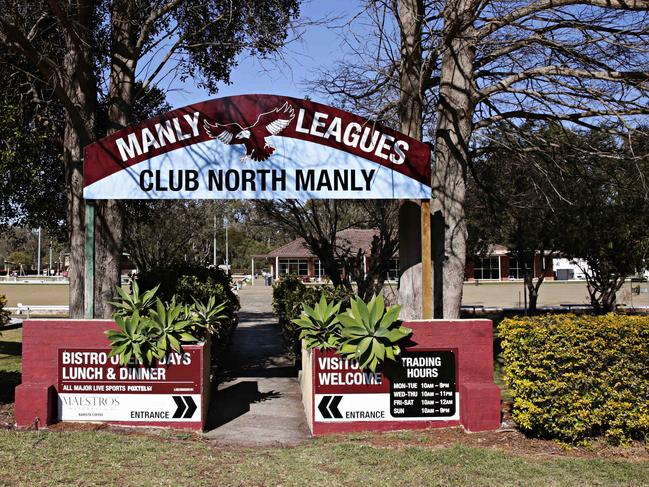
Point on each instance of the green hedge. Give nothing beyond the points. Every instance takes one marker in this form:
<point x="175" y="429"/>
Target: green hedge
<point x="289" y="294"/>
<point x="191" y="280"/>
<point x="578" y="377"/>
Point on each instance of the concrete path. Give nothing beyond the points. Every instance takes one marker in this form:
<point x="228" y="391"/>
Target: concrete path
<point x="258" y="400"/>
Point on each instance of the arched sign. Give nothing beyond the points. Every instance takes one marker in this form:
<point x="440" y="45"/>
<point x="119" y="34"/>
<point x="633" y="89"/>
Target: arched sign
<point x="257" y="147"/>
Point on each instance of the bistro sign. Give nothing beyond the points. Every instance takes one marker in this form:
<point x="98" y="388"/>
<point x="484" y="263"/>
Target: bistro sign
<point x="257" y="147"/>
<point x="94" y="387"/>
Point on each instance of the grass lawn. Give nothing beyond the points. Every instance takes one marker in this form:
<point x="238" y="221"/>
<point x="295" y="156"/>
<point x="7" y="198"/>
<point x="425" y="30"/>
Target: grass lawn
<point x="10" y="363"/>
<point x="92" y="455"/>
<point x="106" y="458"/>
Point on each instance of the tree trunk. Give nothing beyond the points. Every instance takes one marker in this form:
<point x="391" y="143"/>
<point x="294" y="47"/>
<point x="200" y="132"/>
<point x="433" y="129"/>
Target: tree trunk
<point x="73" y="163"/>
<point x="79" y="131"/>
<point x="121" y="92"/>
<point x="533" y="293"/>
<point x="411" y="120"/>
<point x="603" y="295"/>
<point x="454" y="127"/>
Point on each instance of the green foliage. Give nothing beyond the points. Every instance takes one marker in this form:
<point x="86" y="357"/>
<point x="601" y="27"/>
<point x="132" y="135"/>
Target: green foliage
<point x="133" y="302"/>
<point x="290" y="294"/>
<point x="319" y="325"/>
<point x="18" y="258"/>
<point x="578" y="377"/>
<point x="4" y="314"/>
<point x="32" y="182"/>
<point x="189" y="282"/>
<point x="370" y="332"/>
<point x="149" y="332"/>
<point x="134" y="339"/>
<point x="171" y="325"/>
<point x="210" y="313"/>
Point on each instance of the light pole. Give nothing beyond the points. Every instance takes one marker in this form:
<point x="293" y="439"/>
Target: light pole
<point x="214" y="243"/>
<point x="227" y="246"/>
<point x="49" y="267"/>
<point x="38" y="257"/>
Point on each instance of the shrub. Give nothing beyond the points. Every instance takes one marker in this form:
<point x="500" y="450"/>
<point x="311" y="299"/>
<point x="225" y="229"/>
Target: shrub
<point x="578" y="377"/>
<point x="319" y="325"/>
<point x="4" y="314"/>
<point x="148" y="332"/>
<point x="290" y="294"/>
<point x="367" y="332"/>
<point x="190" y="281"/>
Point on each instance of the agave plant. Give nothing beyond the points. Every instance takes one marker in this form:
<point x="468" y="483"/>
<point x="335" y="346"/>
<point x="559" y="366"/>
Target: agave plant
<point x="129" y="303"/>
<point x="132" y="339"/>
<point x="319" y="326"/>
<point x="208" y="315"/>
<point x="171" y="327"/>
<point x="370" y="332"/>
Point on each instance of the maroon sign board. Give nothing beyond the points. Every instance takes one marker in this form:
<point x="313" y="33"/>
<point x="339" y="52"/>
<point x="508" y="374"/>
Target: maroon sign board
<point x="420" y="387"/>
<point x="444" y="377"/>
<point x="257" y="147"/>
<point x="92" y="386"/>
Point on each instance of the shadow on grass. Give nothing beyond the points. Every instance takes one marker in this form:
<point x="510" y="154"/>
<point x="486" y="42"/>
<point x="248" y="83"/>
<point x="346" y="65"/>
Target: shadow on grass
<point x="11" y="348"/>
<point x="8" y="383"/>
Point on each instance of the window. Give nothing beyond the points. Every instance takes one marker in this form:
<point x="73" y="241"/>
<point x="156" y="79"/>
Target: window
<point x="518" y="267"/>
<point x="299" y="267"/>
<point x="393" y="273"/>
<point x="487" y="268"/>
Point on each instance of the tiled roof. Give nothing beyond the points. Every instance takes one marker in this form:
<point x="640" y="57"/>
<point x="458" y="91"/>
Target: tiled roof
<point x="296" y="248"/>
<point x="352" y="239"/>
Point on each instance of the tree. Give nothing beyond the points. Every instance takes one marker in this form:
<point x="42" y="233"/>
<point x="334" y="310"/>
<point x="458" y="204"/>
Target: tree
<point x="31" y="182"/>
<point x="318" y="223"/>
<point x="171" y="232"/>
<point x="369" y="272"/>
<point x="19" y="260"/>
<point x="607" y="221"/>
<point x="583" y="193"/>
<point x="469" y="64"/>
<point x="89" y="52"/>
<point x="517" y="196"/>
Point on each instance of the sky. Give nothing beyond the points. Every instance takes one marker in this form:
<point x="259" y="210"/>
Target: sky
<point x="319" y="48"/>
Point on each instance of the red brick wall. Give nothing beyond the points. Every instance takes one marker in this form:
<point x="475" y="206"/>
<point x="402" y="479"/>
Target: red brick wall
<point x="36" y="399"/>
<point x="472" y="342"/>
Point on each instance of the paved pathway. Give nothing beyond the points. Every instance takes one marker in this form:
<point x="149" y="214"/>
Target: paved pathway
<point x="258" y="401"/>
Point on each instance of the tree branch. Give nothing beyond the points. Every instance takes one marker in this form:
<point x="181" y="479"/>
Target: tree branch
<point x="544" y="71"/>
<point x="493" y="25"/>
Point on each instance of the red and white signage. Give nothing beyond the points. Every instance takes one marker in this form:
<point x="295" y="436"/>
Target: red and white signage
<point x="93" y="387"/>
<point x="421" y="387"/>
<point x="257" y="147"/>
